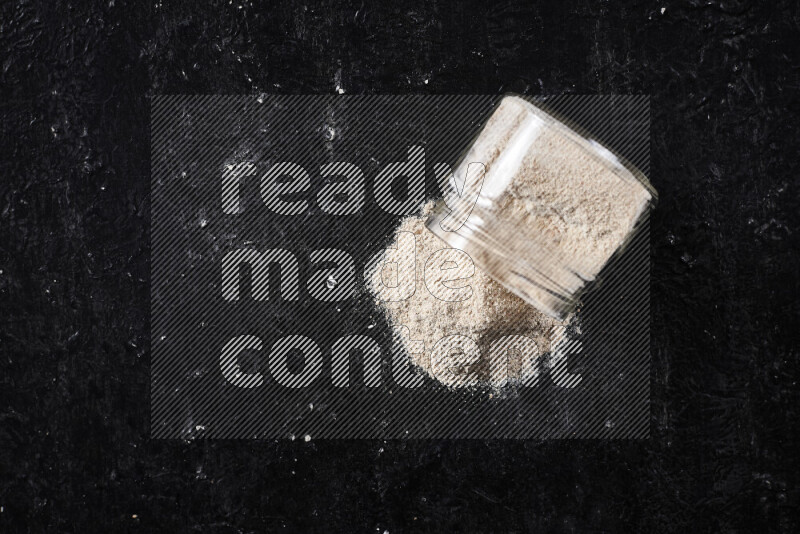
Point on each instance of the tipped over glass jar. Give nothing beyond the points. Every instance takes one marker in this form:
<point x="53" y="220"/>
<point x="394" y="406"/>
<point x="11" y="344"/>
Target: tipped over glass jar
<point x="538" y="207"/>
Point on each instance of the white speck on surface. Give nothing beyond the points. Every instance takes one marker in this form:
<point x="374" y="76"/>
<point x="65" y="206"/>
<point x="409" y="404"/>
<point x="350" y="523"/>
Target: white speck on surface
<point x="331" y="282"/>
<point x="307" y="438"/>
<point x="663" y="9"/>
<point x="310" y="406"/>
<point x="337" y="82"/>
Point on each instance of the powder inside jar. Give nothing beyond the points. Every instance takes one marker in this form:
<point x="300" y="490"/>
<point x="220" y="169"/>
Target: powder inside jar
<point x="552" y="207"/>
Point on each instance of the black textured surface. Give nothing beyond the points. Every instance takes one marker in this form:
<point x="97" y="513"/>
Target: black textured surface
<point x="74" y="451"/>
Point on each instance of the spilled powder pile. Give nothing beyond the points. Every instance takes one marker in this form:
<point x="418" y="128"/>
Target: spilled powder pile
<point x="490" y="311"/>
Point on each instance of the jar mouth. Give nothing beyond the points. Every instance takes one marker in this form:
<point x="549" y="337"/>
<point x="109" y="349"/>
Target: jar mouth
<point x="528" y="269"/>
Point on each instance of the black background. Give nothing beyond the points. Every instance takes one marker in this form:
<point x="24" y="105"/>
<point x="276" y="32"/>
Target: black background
<point x="74" y="216"/>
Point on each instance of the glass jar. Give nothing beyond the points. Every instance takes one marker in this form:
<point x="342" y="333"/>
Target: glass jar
<point x="538" y="207"/>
